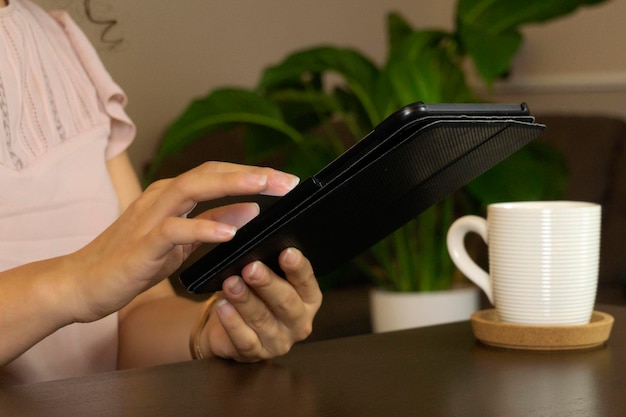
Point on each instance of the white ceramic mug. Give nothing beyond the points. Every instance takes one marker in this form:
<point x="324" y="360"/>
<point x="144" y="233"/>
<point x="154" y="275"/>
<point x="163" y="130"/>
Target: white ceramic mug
<point x="543" y="259"/>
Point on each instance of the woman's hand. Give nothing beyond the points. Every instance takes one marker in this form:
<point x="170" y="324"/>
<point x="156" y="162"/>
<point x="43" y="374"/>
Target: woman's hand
<point x="260" y="315"/>
<point x="152" y="238"/>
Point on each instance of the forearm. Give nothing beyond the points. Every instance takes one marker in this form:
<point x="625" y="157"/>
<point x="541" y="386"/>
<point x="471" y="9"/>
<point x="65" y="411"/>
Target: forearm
<point x="36" y="300"/>
<point x="157" y="332"/>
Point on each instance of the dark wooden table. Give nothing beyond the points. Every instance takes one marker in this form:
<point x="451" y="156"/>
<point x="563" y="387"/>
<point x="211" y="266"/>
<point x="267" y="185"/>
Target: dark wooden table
<point x="435" y="371"/>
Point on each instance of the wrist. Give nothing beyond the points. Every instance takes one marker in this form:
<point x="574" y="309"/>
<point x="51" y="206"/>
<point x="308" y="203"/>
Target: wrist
<point x="198" y="339"/>
<point x="75" y="286"/>
<point x="71" y="288"/>
<point x="53" y="288"/>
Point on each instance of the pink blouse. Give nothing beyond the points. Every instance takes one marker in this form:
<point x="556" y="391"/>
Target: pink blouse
<point x="61" y="118"/>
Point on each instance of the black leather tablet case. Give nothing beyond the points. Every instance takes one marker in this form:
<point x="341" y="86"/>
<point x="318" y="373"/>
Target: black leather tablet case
<point x="412" y="160"/>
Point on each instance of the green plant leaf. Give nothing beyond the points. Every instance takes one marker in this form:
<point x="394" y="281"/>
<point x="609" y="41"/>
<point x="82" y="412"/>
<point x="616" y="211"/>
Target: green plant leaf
<point x="488" y="30"/>
<point x="398" y="30"/>
<point x="411" y="46"/>
<point x="357" y="71"/>
<point x="492" y="53"/>
<point x="264" y="147"/>
<point x="424" y="70"/>
<point x="497" y="16"/>
<point x="221" y="109"/>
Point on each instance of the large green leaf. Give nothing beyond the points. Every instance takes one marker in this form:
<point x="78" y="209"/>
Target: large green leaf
<point x="357" y="71"/>
<point x="410" y="45"/>
<point x="492" y="53"/>
<point x="489" y="30"/>
<point x="497" y="16"/>
<point x="423" y="69"/>
<point x="398" y="30"/>
<point x="303" y="109"/>
<point x="221" y="109"/>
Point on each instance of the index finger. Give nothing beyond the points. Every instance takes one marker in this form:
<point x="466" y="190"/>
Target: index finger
<point x="213" y="180"/>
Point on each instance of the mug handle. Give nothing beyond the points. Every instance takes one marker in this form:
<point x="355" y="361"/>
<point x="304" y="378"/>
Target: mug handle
<point x="456" y="248"/>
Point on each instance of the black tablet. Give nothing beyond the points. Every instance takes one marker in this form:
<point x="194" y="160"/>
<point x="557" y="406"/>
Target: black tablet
<point x="410" y="161"/>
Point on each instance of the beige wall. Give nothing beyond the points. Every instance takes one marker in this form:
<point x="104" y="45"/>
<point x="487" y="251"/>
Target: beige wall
<point x="175" y="51"/>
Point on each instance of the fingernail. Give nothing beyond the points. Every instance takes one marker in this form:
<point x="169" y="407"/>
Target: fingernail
<point x="235" y="285"/>
<point x="285" y="182"/>
<point x="224" y="308"/>
<point x="290" y="257"/>
<point x="291" y="181"/>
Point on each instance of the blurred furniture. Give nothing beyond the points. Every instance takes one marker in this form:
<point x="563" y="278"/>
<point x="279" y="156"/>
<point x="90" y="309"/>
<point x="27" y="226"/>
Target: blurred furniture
<point x="431" y="371"/>
<point x="595" y="151"/>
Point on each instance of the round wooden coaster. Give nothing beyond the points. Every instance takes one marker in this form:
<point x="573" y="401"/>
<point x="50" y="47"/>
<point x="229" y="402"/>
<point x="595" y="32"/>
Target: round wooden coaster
<point x="490" y="330"/>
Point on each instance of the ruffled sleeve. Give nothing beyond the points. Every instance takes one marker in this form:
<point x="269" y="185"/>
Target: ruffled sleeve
<point x="111" y="95"/>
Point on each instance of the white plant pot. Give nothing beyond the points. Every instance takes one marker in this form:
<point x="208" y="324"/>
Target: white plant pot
<point x="391" y="310"/>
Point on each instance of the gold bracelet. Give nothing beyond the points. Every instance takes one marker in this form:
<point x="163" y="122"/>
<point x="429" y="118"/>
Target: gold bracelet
<point x="194" y="339"/>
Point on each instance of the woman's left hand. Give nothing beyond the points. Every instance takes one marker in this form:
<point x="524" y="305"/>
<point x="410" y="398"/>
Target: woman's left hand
<point x="261" y="315"/>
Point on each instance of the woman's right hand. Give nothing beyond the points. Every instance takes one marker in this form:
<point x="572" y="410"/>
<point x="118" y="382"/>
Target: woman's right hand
<point x="152" y="238"/>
